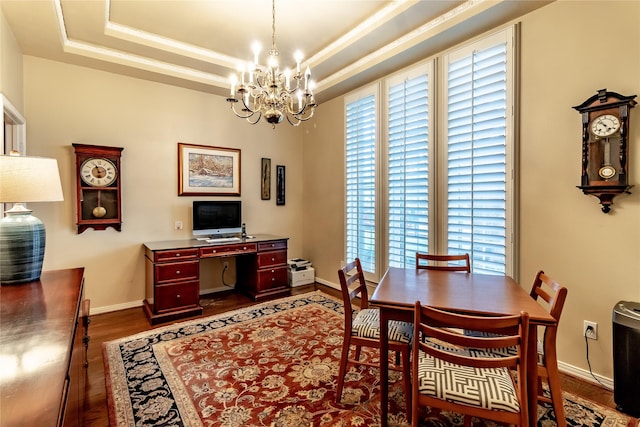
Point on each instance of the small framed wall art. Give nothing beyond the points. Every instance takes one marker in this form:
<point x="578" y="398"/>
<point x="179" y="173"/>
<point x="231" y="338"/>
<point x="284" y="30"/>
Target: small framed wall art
<point x="208" y="171"/>
<point x="280" y="180"/>
<point x="265" y="179"/>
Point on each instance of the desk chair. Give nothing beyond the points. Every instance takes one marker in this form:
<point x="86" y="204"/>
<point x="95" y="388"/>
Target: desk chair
<point x="457" y="372"/>
<point x="443" y="262"/>
<point x="362" y="329"/>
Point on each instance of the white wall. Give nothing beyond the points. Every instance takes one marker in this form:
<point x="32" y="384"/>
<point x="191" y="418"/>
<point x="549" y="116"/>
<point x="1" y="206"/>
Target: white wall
<point x="66" y="104"/>
<point x="562" y="231"/>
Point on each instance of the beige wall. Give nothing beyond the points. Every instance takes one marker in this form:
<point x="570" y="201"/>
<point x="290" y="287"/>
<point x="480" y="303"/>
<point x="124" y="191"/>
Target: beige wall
<point x="10" y="65"/>
<point x="66" y="104"/>
<point x="562" y="231"/>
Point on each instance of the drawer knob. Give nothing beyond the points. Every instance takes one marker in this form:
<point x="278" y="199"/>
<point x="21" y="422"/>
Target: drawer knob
<point x="273" y="259"/>
<point x="177" y="271"/>
<point x="273" y="271"/>
<point x="178" y="254"/>
<point x="273" y="279"/>
<point x="178" y="296"/>
<point x="244" y="248"/>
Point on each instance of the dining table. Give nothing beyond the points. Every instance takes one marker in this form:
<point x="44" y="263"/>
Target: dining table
<point x="469" y="293"/>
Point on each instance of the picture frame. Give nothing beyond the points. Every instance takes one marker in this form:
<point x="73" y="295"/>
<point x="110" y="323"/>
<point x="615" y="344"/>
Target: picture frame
<point x="208" y="171"/>
<point x="265" y="179"/>
<point x="280" y="185"/>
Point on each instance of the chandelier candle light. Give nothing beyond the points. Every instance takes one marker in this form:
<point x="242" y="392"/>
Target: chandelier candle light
<point x="270" y="92"/>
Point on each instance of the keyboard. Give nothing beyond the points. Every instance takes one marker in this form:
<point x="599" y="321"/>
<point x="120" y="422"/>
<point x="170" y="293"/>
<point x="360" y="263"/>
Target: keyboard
<point x="224" y="239"/>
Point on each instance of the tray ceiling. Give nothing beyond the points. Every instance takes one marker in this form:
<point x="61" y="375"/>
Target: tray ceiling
<point x="198" y="43"/>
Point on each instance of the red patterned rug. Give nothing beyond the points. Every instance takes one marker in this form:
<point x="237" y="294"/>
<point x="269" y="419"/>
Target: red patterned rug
<point x="273" y="364"/>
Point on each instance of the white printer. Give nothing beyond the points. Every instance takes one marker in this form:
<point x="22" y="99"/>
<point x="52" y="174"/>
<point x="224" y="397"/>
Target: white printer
<point x="300" y="272"/>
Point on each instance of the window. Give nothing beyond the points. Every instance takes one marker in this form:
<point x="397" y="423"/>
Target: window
<point x="476" y="143"/>
<point x="360" y="167"/>
<point x="408" y="106"/>
<point x="448" y="191"/>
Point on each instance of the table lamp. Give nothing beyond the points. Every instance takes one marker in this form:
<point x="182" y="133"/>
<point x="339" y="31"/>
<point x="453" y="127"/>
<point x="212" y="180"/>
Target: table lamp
<point x="22" y="235"/>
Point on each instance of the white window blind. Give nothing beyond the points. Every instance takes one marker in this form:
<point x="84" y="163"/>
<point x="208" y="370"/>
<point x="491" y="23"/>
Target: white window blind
<point x="361" y="180"/>
<point x="477" y="157"/>
<point x="408" y="169"/>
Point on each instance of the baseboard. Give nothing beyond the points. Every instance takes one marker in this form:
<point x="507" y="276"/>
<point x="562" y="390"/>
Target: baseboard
<point x="585" y="375"/>
<point x="332" y="285"/>
<point x="134" y="304"/>
<point x="117" y="307"/>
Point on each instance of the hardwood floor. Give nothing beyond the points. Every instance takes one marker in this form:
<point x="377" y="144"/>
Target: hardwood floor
<point x="109" y="326"/>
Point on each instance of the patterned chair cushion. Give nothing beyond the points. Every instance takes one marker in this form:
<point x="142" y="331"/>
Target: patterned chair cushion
<point x="481" y="387"/>
<point x="366" y="324"/>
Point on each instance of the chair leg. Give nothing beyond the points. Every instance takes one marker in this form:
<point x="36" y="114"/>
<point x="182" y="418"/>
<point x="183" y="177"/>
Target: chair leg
<point x="553" y="378"/>
<point x="344" y="358"/>
<point x="406" y="377"/>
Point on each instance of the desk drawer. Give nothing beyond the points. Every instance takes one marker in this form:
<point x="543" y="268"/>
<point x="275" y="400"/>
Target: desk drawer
<point x="178" y="295"/>
<point x="177" y="271"/>
<point x="272" y="245"/>
<point x="225" y="250"/>
<point x="175" y="255"/>
<point x="269" y="259"/>
<point x="272" y="278"/>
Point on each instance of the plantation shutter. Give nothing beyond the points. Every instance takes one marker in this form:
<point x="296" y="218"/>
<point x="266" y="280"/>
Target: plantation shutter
<point x="408" y="169"/>
<point x="476" y="147"/>
<point x="361" y="181"/>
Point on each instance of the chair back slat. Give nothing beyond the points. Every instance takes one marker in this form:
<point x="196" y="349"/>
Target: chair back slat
<point x="443" y="262"/>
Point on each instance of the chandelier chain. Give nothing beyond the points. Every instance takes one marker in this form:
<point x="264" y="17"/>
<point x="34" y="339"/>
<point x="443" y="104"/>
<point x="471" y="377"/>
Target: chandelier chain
<point x="274" y="49"/>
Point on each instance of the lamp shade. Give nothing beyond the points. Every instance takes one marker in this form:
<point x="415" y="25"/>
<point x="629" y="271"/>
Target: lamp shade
<point x="29" y="179"/>
<point x="22" y="235"/>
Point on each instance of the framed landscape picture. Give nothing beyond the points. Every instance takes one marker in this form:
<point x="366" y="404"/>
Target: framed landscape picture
<point x="208" y="171"/>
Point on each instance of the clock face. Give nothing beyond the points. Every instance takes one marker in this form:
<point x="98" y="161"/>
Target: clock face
<point x="98" y="172"/>
<point x="605" y="125"/>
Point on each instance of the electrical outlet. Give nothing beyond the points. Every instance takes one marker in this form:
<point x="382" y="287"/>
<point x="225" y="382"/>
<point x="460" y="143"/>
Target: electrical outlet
<point x="178" y="225"/>
<point x="590" y="330"/>
<point x="225" y="264"/>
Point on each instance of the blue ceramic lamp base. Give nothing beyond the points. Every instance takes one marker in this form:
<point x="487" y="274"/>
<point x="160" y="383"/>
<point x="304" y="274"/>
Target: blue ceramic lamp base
<point x="22" y="242"/>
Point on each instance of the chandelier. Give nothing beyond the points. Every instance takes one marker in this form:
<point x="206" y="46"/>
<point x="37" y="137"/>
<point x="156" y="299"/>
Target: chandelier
<point x="270" y="92"/>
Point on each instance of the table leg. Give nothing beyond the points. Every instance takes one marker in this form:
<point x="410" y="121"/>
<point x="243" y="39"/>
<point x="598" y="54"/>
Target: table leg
<point x="532" y="375"/>
<point x="384" y="367"/>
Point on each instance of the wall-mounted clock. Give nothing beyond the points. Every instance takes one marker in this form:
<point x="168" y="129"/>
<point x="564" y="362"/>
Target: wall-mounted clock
<point x="605" y="146"/>
<point x="98" y="185"/>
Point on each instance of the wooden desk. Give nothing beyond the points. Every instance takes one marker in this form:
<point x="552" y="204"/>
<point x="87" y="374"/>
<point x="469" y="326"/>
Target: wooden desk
<point x="172" y="270"/>
<point x="41" y="340"/>
<point x="400" y="288"/>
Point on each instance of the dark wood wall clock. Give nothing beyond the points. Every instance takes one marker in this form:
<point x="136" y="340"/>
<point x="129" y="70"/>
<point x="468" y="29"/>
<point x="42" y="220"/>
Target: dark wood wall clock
<point x="605" y="146"/>
<point x="98" y="185"/>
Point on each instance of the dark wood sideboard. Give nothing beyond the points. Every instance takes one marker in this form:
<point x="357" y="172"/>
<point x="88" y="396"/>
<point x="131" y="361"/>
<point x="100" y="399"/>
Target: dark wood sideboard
<point x="172" y="270"/>
<point x="43" y="343"/>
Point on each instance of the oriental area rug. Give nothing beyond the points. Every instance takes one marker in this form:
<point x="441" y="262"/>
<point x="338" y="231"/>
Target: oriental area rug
<point x="274" y="364"/>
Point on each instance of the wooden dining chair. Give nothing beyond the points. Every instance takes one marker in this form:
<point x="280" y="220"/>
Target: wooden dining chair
<point x="554" y="295"/>
<point x="362" y="329"/>
<point x="443" y="262"/>
<point x="459" y="373"/>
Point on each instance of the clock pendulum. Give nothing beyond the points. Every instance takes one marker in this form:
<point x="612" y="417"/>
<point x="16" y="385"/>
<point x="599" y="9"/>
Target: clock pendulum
<point x="99" y="211"/>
